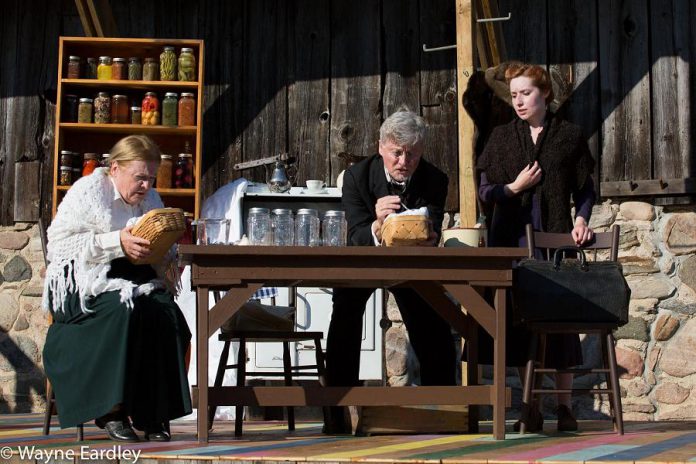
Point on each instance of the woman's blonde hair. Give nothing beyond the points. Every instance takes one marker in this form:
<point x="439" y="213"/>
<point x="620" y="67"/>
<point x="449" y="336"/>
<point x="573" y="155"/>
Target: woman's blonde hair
<point x="134" y="148"/>
<point x="540" y="77"/>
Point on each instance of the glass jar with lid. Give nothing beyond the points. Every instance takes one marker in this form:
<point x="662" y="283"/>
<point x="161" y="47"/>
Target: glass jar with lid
<point x="168" y="64"/>
<point x="283" y="226"/>
<point x="136" y="115"/>
<point x="259" y="226"/>
<point x="65" y="177"/>
<point x="91" y="68"/>
<point x="105" y="160"/>
<point x="150" y="110"/>
<point x="164" y="171"/>
<point x="187" y="110"/>
<point x="183" y="175"/>
<point x="66" y="158"/>
<point x="307" y="227"/>
<point x="104" y="68"/>
<point x="169" y="109"/>
<point x="119" y="109"/>
<point x="102" y="108"/>
<point x="69" y="109"/>
<point x="74" y="65"/>
<point x="118" y="69"/>
<point x="89" y="164"/>
<point x="334" y="228"/>
<point x="84" y="111"/>
<point x="151" y="70"/>
<point x="187" y="65"/>
<point x="135" y="69"/>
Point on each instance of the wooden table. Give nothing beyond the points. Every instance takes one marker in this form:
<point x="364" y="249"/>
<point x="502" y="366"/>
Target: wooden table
<point x="430" y="271"/>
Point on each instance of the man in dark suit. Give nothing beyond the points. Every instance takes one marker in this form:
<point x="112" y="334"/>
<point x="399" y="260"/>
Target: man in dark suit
<point x="382" y="184"/>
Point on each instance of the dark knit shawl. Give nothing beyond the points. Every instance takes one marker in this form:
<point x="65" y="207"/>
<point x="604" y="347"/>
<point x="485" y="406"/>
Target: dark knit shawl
<point x="562" y="153"/>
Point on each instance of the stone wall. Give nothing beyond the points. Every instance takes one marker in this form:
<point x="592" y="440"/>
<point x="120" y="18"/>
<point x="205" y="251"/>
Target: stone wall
<point x="656" y="350"/>
<point x="23" y="323"/>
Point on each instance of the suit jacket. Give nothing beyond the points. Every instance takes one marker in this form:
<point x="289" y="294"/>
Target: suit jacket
<point x="365" y="182"/>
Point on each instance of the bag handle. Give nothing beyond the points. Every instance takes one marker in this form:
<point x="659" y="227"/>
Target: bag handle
<point x="557" y="257"/>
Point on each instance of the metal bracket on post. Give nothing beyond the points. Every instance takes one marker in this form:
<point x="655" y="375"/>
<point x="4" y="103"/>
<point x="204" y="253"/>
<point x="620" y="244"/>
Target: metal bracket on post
<point x="492" y="20"/>
<point x="437" y="49"/>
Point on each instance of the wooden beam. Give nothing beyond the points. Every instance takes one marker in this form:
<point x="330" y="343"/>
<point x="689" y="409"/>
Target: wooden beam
<point x="465" y="69"/>
<point x="657" y="187"/>
<point x="97" y="18"/>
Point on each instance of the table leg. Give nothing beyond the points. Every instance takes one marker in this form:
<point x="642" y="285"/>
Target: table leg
<point x="202" y="361"/>
<point x="499" y="366"/>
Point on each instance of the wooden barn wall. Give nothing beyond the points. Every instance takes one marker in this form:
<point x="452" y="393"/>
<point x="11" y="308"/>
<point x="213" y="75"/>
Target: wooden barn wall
<point x="317" y="77"/>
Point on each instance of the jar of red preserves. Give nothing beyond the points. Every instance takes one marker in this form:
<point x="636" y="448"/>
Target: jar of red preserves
<point x="187" y="110"/>
<point x="89" y="164"/>
<point x="150" y="110"/>
<point x="183" y="175"/>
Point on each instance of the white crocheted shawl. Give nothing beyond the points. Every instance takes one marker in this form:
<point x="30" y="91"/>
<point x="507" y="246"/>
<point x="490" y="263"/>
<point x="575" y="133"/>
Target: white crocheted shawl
<point x="85" y="212"/>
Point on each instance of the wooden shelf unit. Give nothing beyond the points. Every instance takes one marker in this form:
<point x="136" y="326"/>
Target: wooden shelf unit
<point x="99" y="138"/>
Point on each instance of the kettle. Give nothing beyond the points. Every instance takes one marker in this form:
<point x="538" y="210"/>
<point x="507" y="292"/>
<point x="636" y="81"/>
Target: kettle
<point x="279" y="181"/>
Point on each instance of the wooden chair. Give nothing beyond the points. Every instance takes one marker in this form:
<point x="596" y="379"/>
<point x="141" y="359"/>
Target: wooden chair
<point x="535" y="363"/>
<point x="289" y="371"/>
<point x="50" y="395"/>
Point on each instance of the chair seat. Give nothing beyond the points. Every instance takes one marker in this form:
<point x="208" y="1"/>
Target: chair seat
<point x="269" y="335"/>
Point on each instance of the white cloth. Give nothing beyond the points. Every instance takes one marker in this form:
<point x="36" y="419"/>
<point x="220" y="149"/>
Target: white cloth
<point x="226" y="203"/>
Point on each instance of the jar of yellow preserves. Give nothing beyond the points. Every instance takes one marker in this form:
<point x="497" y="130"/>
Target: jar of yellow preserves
<point x="104" y="68"/>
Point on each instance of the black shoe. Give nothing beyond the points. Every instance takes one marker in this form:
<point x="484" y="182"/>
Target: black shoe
<point x="337" y="423"/>
<point x="566" y="421"/>
<point x="118" y="430"/>
<point x="533" y="420"/>
<point x="158" y="432"/>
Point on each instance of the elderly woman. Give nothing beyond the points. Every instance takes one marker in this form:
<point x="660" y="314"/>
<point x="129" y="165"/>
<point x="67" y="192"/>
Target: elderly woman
<point x="530" y="169"/>
<point x="117" y="346"/>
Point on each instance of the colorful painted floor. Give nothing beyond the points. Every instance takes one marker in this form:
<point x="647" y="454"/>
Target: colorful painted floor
<point x="673" y="442"/>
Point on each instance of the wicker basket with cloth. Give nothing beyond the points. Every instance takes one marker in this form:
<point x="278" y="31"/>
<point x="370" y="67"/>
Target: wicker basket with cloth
<point x="406" y="229"/>
<point x="162" y="227"/>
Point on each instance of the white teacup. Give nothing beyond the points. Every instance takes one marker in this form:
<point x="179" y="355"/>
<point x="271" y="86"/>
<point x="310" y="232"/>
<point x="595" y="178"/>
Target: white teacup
<point x="315" y="185"/>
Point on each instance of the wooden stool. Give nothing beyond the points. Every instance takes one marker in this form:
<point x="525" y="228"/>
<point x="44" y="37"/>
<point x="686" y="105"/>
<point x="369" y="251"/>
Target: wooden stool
<point x="244" y="336"/>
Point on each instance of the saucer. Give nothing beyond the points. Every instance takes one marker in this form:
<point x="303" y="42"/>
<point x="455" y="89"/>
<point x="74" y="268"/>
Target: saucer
<point x="322" y="191"/>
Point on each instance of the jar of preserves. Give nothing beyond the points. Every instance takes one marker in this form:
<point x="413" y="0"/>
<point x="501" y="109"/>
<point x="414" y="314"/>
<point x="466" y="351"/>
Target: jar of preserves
<point x="168" y="64"/>
<point x="183" y="175"/>
<point x="334" y="228"/>
<point x="74" y="64"/>
<point x="69" y="109"/>
<point x="89" y="164"/>
<point x="150" y="70"/>
<point x="102" y="108"/>
<point x="187" y="110"/>
<point x="76" y="174"/>
<point x="136" y="115"/>
<point x="119" y="109"/>
<point x="259" y="226"/>
<point x="150" y="110"/>
<point x="187" y="65"/>
<point x="84" y="111"/>
<point x="119" y="70"/>
<point x="169" y="106"/>
<point x="135" y="69"/>
<point x="65" y="175"/>
<point x="164" y="171"/>
<point x="105" y="160"/>
<point x="66" y="158"/>
<point x="104" y="68"/>
<point x="91" y="68"/>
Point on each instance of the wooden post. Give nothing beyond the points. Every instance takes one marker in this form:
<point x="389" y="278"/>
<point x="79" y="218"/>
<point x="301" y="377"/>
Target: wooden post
<point x="465" y="69"/>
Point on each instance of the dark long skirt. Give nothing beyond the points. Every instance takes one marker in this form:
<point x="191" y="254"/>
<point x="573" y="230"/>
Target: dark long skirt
<point x="115" y="355"/>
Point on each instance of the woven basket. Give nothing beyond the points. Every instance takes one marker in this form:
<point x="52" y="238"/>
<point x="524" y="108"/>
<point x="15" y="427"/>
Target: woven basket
<point x="405" y="230"/>
<point x="162" y="227"/>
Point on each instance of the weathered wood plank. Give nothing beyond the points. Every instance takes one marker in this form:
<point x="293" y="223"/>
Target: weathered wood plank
<point x="438" y="91"/>
<point x="525" y="34"/>
<point x="27" y="191"/>
<point x="309" y="116"/>
<point x="625" y="89"/>
<point x="401" y="55"/>
<point x="355" y="81"/>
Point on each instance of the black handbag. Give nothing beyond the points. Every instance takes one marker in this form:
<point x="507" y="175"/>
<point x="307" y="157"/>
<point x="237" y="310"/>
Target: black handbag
<point x="570" y="291"/>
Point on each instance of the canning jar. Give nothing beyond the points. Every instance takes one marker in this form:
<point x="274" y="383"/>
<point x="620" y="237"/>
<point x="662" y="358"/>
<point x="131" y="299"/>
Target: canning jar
<point x="89" y="164"/>
<point x="84" y="111"/>
<point x="259" y="226"/>
<point x="150" y="110"/>
<point x="91" y="68"/>
<point x="66" y="158"/>
<point x="187" y="65"/>
<point x="136" y="115"/>
<point x="150" y="70"/>
<point x="102" y="108"/>
<point x="307" y="227"/>
<point x="135" y="69"/>
<point x="118" y="69"/>
<point x="334" y="228"/>
<point x="183" y="175"/>
<point x="105" y="160"/>
<point x="104" y="68"/>
<point x="69" y="108"/>
<point x="76" y="174"/>
<point x="283" y="226"/>
<point x="187" y="109"/>
<point x="169" y="105"/>
<point x="65" y="175"/>
<point x="119" y="109"/>
<point x="164" y="171"/>
<point x="74" y="63"/>
<point x="168" y="64"/>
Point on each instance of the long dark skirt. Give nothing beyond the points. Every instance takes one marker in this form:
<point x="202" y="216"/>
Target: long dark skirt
<point x="115" y="355"/>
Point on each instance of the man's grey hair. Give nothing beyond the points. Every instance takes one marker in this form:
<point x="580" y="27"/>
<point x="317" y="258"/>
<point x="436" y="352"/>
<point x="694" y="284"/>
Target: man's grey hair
<point x="404" y="128"/>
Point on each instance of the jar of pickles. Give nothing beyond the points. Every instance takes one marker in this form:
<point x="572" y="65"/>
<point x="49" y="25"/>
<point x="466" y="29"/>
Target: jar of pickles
<point x="136" y="115"/>
<point x="183" y="175"/>
<point x="74" y="64"/>
<point x="69" y="109"/>
<point x="150" y="110"/>
<point x="89" y="164"/>
<point x="91" y="68"/>
<point x="104" y="68"/>
<point x="65" y="175"/>
<point x="169" y="107"/>
<point x="187" y="65"/>
<point x="187" y="109"/>
<point x="118" y="69"/>
<point x="135" y="69"/>
<point x="168" y="64"/>
<point x="84" y="111"/>
<point x="150" y="70"/>
<point x="119" y="109"/>
<point x="102" y="108"/>
<point x="164" y="171"/>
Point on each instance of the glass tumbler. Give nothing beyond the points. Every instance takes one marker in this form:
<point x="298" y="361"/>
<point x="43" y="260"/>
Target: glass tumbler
<point x="283" y="227"/>
<point x="307" y="228"/>
<point x="259" y="226"/>
<point x="334" y="228"/>
<point x="213" y="231"/>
